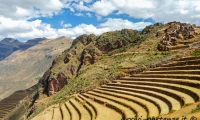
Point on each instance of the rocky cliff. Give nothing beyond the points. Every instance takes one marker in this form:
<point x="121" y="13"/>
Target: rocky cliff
<point x="175" y="33"/>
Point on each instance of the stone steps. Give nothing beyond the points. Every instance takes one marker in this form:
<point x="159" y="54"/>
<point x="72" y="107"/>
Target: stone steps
<point x="103" y="112"/>
<point x="182" y="95"/>
<point x="189" y="58"/>
<point x="84" y="114"/>
<point x="182" y="63"/>
<point x="9" y="103"/>
<point x="193" y="92"/>
<point x="89" y="106"/>
<point x="65" y="112"/>
<point x="162" y="107"/>
<point x="172" y="103"/>
<point x="186" y="82"/>
<point x="119" y="107"/>
<point x="150" y="108"/>
<point x="184" y="67"/>
<point x="175" y="76"/>
<point x="86" y="107"/>
<point x="142" y="110"/>
<point x="173" y="72"/>
<point x="57" y="114"/>
<point x="74" y="113"/>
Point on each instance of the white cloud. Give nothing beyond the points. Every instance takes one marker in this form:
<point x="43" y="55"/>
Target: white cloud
<point x="118" y="24"/>
<point x="89" y="14"/>
<point x="109" y="25"/>
<point x="27" y="9"/>
<point x="62" y="24"/>
<point x="158" y="10"/>
<point x="21" y="29"/>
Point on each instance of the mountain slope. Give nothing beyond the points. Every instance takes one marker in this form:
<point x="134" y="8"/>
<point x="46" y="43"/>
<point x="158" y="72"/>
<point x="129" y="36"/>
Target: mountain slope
<point x="23" y="68"/>
<point x="92" y="60"/>
<point x="96" y="73"/>
<point x="10" y="45"/>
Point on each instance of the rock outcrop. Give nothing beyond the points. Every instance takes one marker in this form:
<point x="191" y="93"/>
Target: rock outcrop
<point x="90" y="56"/>
<point x="113" y="40"/>
<point x="55" y="84"/>
<point x="174" y="33"/>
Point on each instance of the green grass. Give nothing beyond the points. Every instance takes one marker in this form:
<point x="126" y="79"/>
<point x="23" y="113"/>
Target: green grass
<point x="197" y="109"/>
<point x="196" y="53"/>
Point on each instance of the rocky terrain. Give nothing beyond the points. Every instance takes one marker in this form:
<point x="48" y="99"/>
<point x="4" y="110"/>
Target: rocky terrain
<point x="175" y="34"/>
<point x="24" y="67"/>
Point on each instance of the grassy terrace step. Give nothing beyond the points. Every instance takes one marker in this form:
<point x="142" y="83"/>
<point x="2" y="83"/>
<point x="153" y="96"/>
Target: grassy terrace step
<point x="75" y="107"/>
<point x="114" y="105"/>
<point x="74" y="113"/>
<point x="84" y="114"/>
<point x="2" y="115"/>
<point x="103" y="112"/>
<point x="89" y="106"/>
<point x="186" y="82"/>
<point x="178" y="47"/>
<point x="65" y="113"/>
<point x="180" y="63"/>
<point x="193" y="92"/>
<point x="57" y="114"/>
<point x="183" y="95"/>
<point x="189" y="58"/>
<point x="184" y="67"/>
<point x="86" y="107"/>
<point x="170" y="101"/>
<point x="7" y="106"/>
<point x="134" y="107"/>
<point x="177" y="76"/>
<point x="6" y="109"/>
<point x="139" y="108"/>
<point x="161" y="106"/>
<point x="69" y="111"/>
<point x="45" y="116"/>
<point x="149" y="107"/>
<point x="173" y="72"/>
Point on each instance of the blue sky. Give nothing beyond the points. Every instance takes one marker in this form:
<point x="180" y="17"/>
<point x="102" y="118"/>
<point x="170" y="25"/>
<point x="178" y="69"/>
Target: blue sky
<point x="28" y="19"/>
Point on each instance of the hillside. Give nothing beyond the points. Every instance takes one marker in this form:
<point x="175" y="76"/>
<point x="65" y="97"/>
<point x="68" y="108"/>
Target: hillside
<point x="23" y="68"/>
<point x="10" y="45"/>
<point x="126" y="74"/>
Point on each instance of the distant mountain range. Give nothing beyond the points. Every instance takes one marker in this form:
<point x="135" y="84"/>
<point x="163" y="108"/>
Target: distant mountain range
<point x="22" y="64"/>
<point x="10" y="45"/>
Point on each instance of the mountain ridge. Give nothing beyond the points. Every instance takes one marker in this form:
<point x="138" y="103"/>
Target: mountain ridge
<point x="10" y="45"/>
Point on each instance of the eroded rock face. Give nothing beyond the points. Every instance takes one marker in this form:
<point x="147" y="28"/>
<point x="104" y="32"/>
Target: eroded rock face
<point x="90" y="56"/>
<point x="108" y="46"/>
<point x="56" y="83"/>
<point x="175" y="32"/>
